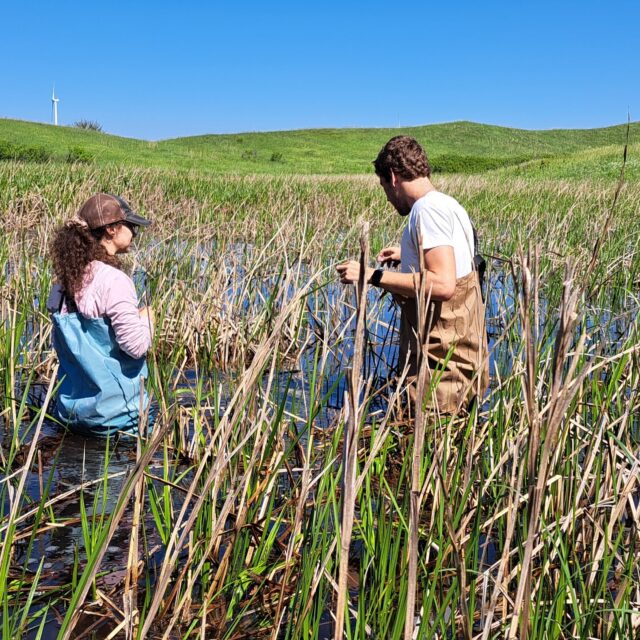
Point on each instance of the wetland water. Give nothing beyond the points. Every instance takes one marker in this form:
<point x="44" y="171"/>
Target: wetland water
<point x="68" y="461"/>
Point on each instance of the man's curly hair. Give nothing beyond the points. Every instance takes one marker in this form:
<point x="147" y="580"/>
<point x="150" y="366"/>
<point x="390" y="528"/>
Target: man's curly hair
<point x="73" y="247"/>
<point x="404" y="157"/>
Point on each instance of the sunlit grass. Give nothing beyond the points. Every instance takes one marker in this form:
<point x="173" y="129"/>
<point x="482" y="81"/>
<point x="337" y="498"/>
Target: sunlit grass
<point x="453" y="147"/>
<point x="241" y="482"/>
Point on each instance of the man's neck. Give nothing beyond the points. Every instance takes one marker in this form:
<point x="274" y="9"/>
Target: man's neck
<point x="416" y="189"/>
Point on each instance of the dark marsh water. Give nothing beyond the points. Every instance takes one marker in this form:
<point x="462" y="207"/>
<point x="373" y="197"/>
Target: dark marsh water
<point x="71" y="460"/>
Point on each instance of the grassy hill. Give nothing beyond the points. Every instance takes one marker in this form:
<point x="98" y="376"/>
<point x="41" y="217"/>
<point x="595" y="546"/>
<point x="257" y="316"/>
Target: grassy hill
<point x="599" y="162"/>
<point x="457" y="147"/>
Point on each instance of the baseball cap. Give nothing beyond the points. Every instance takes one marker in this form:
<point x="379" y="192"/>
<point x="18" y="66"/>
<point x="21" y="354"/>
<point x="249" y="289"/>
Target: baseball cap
<point x="105" y="208"/>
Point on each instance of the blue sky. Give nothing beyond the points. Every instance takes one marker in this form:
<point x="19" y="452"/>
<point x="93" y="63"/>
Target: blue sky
<point x="161" y="69"/>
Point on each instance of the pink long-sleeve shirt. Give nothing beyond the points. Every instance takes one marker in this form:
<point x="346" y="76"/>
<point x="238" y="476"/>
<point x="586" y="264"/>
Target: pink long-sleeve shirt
<point x="110" y="293"/>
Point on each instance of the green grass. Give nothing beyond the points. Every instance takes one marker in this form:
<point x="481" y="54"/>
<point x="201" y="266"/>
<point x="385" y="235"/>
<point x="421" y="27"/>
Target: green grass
<point x="242" y="488"/>
<point x="599" y="163"/>
<point x="457" y="147"/>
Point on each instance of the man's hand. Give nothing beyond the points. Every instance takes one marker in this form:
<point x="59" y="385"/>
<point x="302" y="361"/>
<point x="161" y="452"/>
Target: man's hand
<point x="389" y="255"/>
<point x="349" y="272"/>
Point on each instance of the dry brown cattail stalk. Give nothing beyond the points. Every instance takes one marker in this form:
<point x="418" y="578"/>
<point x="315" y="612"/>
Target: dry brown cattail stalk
<point x="350" y="451"/>
<point x="562" y="392"/>
<point x="130" y="604"/>
<point x="234" y="413"/>
<point x="422" y="301"/>
<point x="16" y="496"/>
<point x="125" y="495"/>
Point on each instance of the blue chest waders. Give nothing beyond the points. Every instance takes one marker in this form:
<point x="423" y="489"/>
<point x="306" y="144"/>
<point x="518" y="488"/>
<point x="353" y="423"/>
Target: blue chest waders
<point x="99" y="393"/>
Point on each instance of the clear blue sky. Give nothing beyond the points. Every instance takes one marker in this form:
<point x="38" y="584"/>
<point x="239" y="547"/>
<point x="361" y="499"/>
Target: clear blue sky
<point x="162" y="69"/>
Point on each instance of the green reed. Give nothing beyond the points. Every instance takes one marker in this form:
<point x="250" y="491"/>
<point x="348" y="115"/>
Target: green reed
<point x="240" y="529"/>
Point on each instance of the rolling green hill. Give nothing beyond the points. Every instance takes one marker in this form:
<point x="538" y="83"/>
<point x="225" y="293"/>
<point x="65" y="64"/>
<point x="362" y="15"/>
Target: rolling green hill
<point x="462" y="147"/>
<point x="599" y="162"/>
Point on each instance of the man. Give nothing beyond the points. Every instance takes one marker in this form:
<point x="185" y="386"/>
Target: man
<point x="438" y="231"/>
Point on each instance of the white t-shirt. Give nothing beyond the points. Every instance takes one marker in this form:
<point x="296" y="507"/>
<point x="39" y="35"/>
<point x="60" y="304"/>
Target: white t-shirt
<point x="438" y="220"/>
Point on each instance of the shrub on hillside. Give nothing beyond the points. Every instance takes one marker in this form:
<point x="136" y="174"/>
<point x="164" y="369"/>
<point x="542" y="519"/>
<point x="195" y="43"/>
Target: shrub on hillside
<point x="6" y="150"/>
<point x="249" y="154"/>
<point x="472" y="164"/>
<point x="276" y="156"/>
<point x="78" y="154"/>
<point x="33" y="153"/>
<point x="23" y="152"/>
<point x="89" y="125"/>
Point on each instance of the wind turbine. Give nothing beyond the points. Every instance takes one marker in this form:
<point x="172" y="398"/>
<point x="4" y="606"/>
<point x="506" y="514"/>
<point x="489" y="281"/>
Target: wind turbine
<point x="54" y="106"/>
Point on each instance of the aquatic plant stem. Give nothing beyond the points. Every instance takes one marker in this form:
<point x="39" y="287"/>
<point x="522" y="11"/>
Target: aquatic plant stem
<point x="18" y="493"/>
<point x="350" y="447"/>
<point x="102" y="542"/>
<point x="130" y="603"/>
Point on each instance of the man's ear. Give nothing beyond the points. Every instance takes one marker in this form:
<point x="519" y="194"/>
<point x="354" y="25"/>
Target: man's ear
<point x="394" y="178"/>
<point x="110" y="232"/>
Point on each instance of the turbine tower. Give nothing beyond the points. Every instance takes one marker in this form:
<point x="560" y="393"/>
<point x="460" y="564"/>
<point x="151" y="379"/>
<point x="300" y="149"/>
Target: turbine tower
<point x="54" y="106"/>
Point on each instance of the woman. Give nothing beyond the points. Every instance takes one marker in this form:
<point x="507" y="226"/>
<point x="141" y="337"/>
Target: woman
<point x="99" y="334"/>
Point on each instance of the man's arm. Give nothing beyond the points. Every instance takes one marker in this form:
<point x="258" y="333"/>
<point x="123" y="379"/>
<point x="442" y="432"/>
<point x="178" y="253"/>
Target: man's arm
<point x="440" y="271"/>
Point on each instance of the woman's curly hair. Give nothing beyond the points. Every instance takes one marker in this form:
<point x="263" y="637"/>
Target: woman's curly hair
<point x="73" y="247"/>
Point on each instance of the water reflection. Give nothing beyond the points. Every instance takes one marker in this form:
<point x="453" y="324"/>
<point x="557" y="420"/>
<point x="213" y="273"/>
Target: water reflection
<point x="76" y="461"/>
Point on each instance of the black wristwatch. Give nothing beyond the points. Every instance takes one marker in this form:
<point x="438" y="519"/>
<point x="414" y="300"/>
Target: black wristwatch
<point x="375" y="278"/>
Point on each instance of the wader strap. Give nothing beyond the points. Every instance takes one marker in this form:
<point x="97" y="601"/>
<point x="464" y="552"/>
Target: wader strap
<point x="478" y="263"/>
<point x="58" y="299"/>
<point x="71" y="304"/>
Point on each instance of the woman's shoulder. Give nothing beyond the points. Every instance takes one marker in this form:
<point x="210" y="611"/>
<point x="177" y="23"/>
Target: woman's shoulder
<point x="102" y="285"/>
<point x="101" y="272"/>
